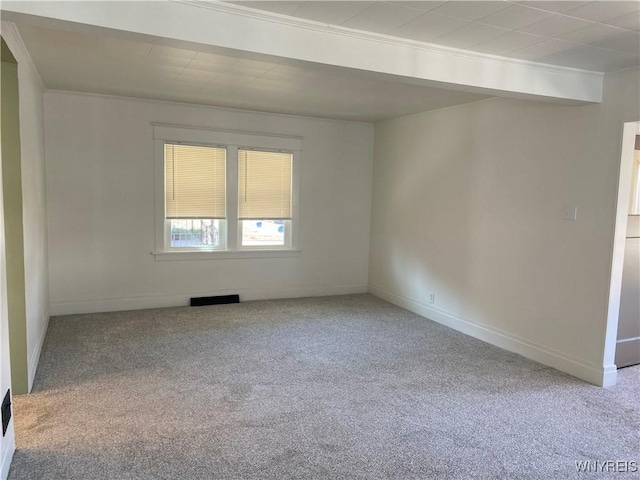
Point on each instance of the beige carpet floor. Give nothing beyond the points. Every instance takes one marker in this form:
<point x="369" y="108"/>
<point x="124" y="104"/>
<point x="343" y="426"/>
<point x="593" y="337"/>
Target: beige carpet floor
<point x="344" y="387"/>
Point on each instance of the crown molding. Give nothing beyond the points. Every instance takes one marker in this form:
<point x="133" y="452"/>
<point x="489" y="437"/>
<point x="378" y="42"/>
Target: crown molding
<point x="312" y="25"/>
<point x="21" y="49"/>
<point x="301" y="40"/>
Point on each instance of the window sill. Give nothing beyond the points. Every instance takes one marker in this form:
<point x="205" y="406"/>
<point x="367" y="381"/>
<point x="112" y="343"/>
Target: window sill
<point x="224" y="255"/>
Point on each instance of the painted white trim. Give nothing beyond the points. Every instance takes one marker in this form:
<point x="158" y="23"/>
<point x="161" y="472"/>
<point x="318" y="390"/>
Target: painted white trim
<point x="161" y="301"/>
<point x="35" y="355"/>
<point x="274" y="17"/>
<point x="631" y="339"/>
<point x="299" y="40"/>
<point x="204" y="135"/>
<point x="225" y="255"/>
<point x="609" y="376"/>
<point x="231" y="232"/>
<point x="19" y="49"/>
<point x="5" y="461"/>
<point x="574" y="366"/>
<point x="629" y="130"/>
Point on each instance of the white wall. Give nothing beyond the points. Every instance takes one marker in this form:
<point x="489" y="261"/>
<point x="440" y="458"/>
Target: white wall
<point x="468" y="203"/>
<point x="34" y="214"/>
<point x="34" y="207"/>
<point x="101" y="208"/>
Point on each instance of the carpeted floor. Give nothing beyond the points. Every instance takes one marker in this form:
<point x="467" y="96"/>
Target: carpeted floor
<point x="336" y="387"/>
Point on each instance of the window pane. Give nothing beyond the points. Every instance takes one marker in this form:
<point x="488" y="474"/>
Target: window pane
<point x="195" y="233"/>
<point x="264" y="185"/>
<point x="262" y="233"/>
<point x="195" y="182"/>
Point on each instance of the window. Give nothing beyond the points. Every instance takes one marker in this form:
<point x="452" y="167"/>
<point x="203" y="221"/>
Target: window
<point x="219" y="191"/>
<point x="264" y="197"/>
<point x="195" y="195"/>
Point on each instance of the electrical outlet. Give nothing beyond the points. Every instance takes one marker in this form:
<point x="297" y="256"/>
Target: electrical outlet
<point x="432" y="297"/>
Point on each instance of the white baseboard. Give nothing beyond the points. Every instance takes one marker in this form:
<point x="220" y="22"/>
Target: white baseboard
<point x="5" y="461"/>
<point x="627" y="351"/>
<point x="609" y="376"/>
<point x="35" y="355"/>
<point x="592" y="373"/>
<point x="160" y="301"/>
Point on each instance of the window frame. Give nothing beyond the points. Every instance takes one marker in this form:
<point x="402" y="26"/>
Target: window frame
<point x="231" y="241"/>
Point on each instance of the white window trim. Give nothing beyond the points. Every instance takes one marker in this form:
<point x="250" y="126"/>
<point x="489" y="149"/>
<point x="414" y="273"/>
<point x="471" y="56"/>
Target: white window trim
<point x="232" y="140"/>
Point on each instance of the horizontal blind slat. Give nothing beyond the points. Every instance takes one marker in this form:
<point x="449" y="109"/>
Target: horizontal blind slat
<point x="264" y="185"/>
<point x="195" y="181"/>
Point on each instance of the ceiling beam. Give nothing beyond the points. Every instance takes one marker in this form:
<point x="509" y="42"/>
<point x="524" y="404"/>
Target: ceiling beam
<point x="239" y="29"/>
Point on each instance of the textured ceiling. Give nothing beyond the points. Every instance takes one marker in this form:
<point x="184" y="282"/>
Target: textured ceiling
<point x="602" y="36"/>
<point x="106" y="65"/>
<point x="597" y="35"/>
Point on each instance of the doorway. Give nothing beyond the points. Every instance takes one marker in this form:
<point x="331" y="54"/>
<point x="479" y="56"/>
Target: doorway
<point x="8" y="87"/>
<point x="13" y="221"/>
<point x="628" y="340"/>
<point x="622" y="337"/>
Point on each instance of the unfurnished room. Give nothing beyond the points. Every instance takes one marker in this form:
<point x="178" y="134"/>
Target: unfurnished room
<point x="320" y="240"/>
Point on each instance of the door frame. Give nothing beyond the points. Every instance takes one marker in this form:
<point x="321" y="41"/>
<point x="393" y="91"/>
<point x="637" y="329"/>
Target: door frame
<point x="629" y="132"/>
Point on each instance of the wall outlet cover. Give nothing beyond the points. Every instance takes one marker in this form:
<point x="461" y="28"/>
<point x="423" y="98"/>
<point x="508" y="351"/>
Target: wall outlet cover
<point x="6" y="412"/>
<point x="571" y="213"/>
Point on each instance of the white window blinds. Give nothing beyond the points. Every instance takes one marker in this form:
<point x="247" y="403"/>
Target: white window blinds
<point x="264" y="185"/>
<point x="195" y="181"/>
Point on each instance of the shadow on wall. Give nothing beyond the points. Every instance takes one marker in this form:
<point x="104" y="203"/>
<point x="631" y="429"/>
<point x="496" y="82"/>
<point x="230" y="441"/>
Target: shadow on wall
<point x="469" y="206"/>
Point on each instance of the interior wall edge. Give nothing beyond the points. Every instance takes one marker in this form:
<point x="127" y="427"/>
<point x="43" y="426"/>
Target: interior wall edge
<point x="35" y="355"/>
<point x="602" y="376"/>
<point x="34" y="224"/>
<point x="19" y="49"/>
<point x="12" y="173"/>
